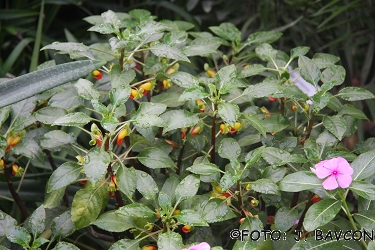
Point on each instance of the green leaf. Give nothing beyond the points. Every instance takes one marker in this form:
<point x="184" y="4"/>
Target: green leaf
<point x="62" y="226"/>
<point x="365" y="219"/>
<point x="53" y="199"/>
<point x="225" y="76"/>
<point x="38" y="242"/>
<point x="169" y="98"/>
<point x="169" y="187"/>
<point x="265" y="52"/>
<point x="333" y="75"/>
<point x="111" y="18"/>
<point x="19" y="235"/>
<point x="263" y="37"/>
<point x="6" y="221"/>
<point x="229" y="112"/>
<point x="229" y="149"/>
<point x="119" y="95"/>
<point x="56" y="139"/>
<point x="36" y="82"/>
<point x="62" y="245"/>
<point x="49" y="115"/>
<point x="201" y="47"/>
<point x="354" y="94"/>
<point x="164" y="201"/>
<point x="323" y="60"/>
<point x="126" y="244"/>
<point x="37" y="221"/>
<point x="257" y="123"/>
<point x="274" y="173"/>
<point x="96" y="163"/>
<point x="126" y="180"/>
<point x="146" y="185"/>
<point x="263" y="89"/>
<point x="73" y="119"/>
<point x="29" y="148"/>
<point x="321" y="100"/>
<point x="86" y="89"/>
<point x="178" y="119"/>
<point x="119" y="77"/>
<point x="148" y="120"/>
<point x="87" y="204"/>
<point x="155" y="158"/>
<point x="75" y="50"/>
<point x="285" y="218"/>
<point x="191" y="218"/>
<point x="253" y="69"/>
<point x="204" y="169"/>
<point x="109" y="123"/>
<point x="63" y="176"/>
<point x="275" y="156"/>
<point x="254" y="156"/>
<point x="336" y="125"/>
<point x="136" y="210"/>
<point x="151" y="108"/>
<point x="193" y="94"/>
<point x="299" y="181"/>
<point x="364" y="165"/>
<point x="309" y="71"/>
<point x="350" y="110"/>
<point x="363" y="189"/>
<point x="298" y="51"/>
<point x="228" y="180"/>
<point x="4" y="114"/>
<point x="68" y="99"/>
<point x="104" y="28"/>
<point x="227" y="31"/>
<point x="187" y="188"/>
<point x="312" y="243"/>
<point x="321" y="213"/>
<point x="276" y="123"/>
<point x="170" y="240"/>
<point x="184" y="80"/>
<point x="166" y="51"/>
<point x="216" y="210"/>
<point x="265" y="186"/>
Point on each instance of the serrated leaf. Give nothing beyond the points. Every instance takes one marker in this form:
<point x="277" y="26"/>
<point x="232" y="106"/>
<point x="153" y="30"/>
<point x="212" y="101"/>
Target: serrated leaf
<point x="253" y="69"/>
<point x="274" y="173"/>
<point x="136" y="210"/>
<point x="201" y="47"/>
<point x="364" y="165"/>
<point x="126" y="244"/>
<point x="53" y="199"/>
<point x="257" y="123"/>
<point x="187" y="188"/>
<point x="169" y="187"/>
<point x="37" y="221"/>
<point x="68" y="99"/>
<point x="364" y="189"/>
<point x="151" y="108"/>
<point x="111" y="18"/>
<point x="323" y="60"/>
<point x="166" y="51"/>
<point x="336" y="125"/>
<point x="55" y="139"/>
<point x="263" y="37"/>
<point x="275" y="156"/>
<point x="113" y="221"/>
<point x="204" y="169"/>
<point x="228" y="180"/>
<point x="309" y="71"/>
<point x="29" y="148"/>
<point x="164" y="201"/>
<point x="263" y="89"/>
<point x="64" y="175"/>
<point x="62" y="245"/>
<point x="321" y="213"/>
<point x="19" y="235"/>
<point x="75" y="50"/>
<point x="119" y="77"/>
<point x="170" y="240"/>
<point x="96" y="163"/>
<point x="276" y="123"/>
<point x="333" y="75"/>
<point x="184" y="80"/>
<point x="49" y="115"/>
<point x="299" y="181"/>
<point x="4" y="114"/>
<point x="86" y="89"/>
<point x="355" y="94"/>
<point x="39" y="81"/>
<point x="146" y="185"/>
<point x="87" y="204"/>
<point x="193" y="94"/>
<point x="216" y="210"/>
<point x="126" y="180"/>
<point x="155" y="158"/>
<point x="229" y="112"/>
<point x="109" y="123"/>
<point x="227" y="31"/>
<point x="191" y="218"/>
<point x="148" y="120"/>
<point x="38" y="242"/>
<point x="350" y="110"/>
<point x="6" y="221"/>
<point x="229" y="149"/>
<point x="254" y="156"/>
<point x="178" y="119"/>
<point x="73" y="119"/>
<point x="266" y="52"/>
<point x="119" y="95"/>
<point x="298" y="51"/>
<point x="103" y="28"/>
<point x="62" y="226"/>
<point x="265" y="186"/>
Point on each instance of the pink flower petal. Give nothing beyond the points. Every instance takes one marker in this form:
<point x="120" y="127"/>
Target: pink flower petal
<point x="200" y="246"/>
<point x="344" y="167"/>
<point x="323" y="170"/>
<point x="344" y="180"/>
<point x="330" y="183"/>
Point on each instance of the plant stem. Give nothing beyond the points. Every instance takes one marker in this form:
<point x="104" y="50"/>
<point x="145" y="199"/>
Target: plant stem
<point x="179" y="161"/>
<point x="309" y="127"/>
<point x="347" y="211"/>
<point x="15" y="195"/>
<point x="213" y="134"/>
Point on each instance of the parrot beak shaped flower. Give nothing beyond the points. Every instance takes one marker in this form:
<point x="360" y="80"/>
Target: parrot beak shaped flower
<point x="338" y="171"/>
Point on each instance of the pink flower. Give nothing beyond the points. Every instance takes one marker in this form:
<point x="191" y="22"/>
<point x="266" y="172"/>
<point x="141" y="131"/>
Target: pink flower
<point x="200" y="246"/>
<point x="339" y="171"/>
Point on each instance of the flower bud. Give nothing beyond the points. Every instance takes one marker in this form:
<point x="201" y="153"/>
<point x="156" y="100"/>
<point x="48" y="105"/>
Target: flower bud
<point x="200" y="105"/>
<point x="183" y="133"/>
<point x="149" y="247"/>
<point x="265" y="112"/>
<point x="147" y="86"/>
<point x="316" y="198"/>
<point x="2" y="164"/>
<point x="97" y="74"/>
<point x="224" y="129"/>
<point x="196" y="130"/>
<point x="293" y="108"/>
<point x="122" y="134"/>
<point x="16" y="171"/>
<point x="186" y="229"/>
<point x="172" y="143"/>
<point x="167" y="83"/>
<point x="136" y="94"/>
<point x="254" y="202"/>
<point x="242" y="220"/>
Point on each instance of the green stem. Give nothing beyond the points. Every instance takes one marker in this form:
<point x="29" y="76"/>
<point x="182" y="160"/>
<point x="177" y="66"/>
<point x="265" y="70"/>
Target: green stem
<point x="347" y="211"/>
<point x="213" y="135"/>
